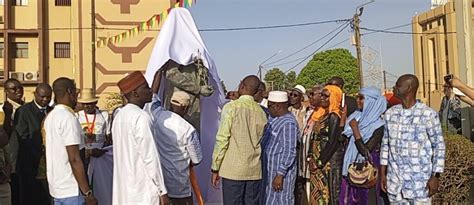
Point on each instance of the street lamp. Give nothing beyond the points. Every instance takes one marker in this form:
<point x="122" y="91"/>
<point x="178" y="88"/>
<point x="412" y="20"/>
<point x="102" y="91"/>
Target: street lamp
<point x="260" y="66"/>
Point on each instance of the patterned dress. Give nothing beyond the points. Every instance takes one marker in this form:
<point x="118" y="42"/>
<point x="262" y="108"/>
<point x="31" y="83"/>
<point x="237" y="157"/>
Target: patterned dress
<point x="319" y="179"/>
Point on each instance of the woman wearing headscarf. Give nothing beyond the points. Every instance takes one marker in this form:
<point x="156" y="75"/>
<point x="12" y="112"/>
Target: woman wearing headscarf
<point x="325" y="151"/>
<point x="364" y="128"/>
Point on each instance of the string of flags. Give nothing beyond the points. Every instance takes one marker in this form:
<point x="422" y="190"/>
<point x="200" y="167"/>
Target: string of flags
<point x="154" y="22"/>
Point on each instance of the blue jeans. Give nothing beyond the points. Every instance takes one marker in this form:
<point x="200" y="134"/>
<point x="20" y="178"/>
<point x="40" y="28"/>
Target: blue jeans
<point x="75" y="200"/>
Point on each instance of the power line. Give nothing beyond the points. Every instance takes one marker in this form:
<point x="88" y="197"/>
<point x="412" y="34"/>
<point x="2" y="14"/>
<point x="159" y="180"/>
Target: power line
<point x="402" y="32"/>
<point x="274" y="26"/>
<point x="387" y="29"/>
<point x="205" y="29"/>
<point x="304" y="48"/>
<point x="288" y="62"/>
<point x="346" y="25"/>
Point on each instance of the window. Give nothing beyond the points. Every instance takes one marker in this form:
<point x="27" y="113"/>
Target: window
<point x="62" y="50"/>
<point x="20" y="2"/>
<point x="20" y="50"/>
<point x="63" y="2"/>
<point x="1" y="49"/>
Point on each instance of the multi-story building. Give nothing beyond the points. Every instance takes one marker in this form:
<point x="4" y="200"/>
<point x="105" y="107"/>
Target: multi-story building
<point x="42" y="40"/>
<point x="443" y="43"/>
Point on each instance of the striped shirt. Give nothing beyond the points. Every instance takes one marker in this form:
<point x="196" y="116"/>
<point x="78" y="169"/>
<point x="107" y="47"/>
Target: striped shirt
<point x="413" y="149"/>
<point x="237" y="150"/>
<point x="279" y="158"/>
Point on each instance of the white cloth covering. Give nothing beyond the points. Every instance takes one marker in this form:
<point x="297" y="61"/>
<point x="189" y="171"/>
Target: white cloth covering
<point x="180" y="41"/>
<point x="137" y="178"/>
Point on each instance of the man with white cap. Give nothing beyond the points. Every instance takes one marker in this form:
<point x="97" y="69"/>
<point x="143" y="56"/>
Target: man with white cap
<point x="179" y="146"/>
<point x="279" y="152"/>
<point x="297" y="96"/>
<point x="138" y="178"/>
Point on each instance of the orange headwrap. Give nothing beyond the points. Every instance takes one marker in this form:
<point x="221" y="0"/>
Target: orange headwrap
<point x="335" y="100"/>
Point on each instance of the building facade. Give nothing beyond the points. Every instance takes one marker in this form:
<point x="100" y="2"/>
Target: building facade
<point x="42" y="40"/>
<point x="443" y="43"/>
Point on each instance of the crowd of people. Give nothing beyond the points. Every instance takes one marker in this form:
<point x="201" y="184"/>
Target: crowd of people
<point x="298" y="146"/>
<point x="334" y="150"/>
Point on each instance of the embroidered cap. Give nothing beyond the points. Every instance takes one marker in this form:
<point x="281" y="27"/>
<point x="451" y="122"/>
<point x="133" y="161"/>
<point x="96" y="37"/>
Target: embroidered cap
<point x="131" y="82"/>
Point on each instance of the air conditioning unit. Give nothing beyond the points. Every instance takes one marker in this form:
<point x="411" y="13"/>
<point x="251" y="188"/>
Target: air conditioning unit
<point x="31" y="76"/>
<point x="1" y="20"/>
<point x="17" y="75"/>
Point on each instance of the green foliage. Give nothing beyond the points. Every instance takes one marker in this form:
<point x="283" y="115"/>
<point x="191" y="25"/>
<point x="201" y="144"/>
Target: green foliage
<point x="290" y="80"/>
<point x="279" y="80"/>
<point x="455" y="182"/>
<point x="330" y="63"/>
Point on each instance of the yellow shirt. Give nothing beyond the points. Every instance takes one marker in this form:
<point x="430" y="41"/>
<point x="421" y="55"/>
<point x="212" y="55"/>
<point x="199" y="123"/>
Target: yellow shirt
<point x="237" y="150"/>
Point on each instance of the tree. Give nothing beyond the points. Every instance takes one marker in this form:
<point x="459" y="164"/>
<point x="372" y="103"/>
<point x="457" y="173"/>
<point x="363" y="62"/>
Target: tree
<point x="326" y="64"/>
<point x="290" y="80"/>
<point x="276" y="77"/>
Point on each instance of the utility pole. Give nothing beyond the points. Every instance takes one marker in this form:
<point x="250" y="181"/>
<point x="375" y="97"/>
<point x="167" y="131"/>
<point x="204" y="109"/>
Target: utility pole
<point x="93" y="44"/>
<point x="384" y="82"/>
<point x="357" y="44"/>
<point x="260" y="72"/>
<point x="356" y="26"/>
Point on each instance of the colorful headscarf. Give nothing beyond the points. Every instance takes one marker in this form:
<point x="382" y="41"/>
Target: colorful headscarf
<point x="335" y="100"/>
<point x="369" y="120"/>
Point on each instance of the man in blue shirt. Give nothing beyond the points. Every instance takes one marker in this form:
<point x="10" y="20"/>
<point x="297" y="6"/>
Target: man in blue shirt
<point x="413" y="149"/>
<point x="279" y="152"/>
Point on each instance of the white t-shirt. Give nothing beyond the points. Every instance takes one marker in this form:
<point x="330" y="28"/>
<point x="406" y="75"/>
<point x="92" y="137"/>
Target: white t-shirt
<point x="101" y="128"/>
<point x="61" y="129"/>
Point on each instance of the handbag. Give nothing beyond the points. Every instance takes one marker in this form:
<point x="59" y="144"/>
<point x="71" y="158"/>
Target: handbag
<point x="363" y="174"/>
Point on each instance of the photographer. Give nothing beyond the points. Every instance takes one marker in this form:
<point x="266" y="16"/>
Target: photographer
<point x="460" y="89"/>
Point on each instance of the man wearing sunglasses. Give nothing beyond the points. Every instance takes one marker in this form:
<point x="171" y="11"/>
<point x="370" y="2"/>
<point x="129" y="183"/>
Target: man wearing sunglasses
<point x="14" y="93"/>
<point x="297" y="108"/>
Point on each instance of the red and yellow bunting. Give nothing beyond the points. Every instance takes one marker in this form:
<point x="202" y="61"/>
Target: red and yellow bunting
<point x="154" y="22"/>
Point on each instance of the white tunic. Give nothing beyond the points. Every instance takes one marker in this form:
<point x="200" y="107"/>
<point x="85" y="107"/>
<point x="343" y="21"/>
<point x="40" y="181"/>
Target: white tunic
<point x="138" y="178"/>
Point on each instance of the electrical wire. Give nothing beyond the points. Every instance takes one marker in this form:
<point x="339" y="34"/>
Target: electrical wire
<point x="402" y="32"/>
<point x="304" y="48"/>
<point x="329" y="40"/>
<point x="208" y="29"/>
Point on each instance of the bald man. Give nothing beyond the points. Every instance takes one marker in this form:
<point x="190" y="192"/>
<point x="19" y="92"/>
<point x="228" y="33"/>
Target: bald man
<point x="27" y="125"/>
<point x="237" y="150"/>
<point x="413" y="150"/>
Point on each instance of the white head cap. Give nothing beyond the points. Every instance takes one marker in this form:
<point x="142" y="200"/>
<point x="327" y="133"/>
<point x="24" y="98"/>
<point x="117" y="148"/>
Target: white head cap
<point x="277" y="96"/>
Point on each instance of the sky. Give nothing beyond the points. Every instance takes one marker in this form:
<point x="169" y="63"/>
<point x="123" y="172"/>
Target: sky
<point x="239" y="53"/>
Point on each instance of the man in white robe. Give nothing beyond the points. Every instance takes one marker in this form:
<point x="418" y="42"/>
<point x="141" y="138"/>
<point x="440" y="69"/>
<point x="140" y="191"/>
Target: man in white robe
<point x="138" y="178"/>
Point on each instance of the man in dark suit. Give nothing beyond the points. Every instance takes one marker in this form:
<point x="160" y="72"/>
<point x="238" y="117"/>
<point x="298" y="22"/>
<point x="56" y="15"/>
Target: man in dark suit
<point x="28" y="119"/>
<point x="349" y="100"/>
